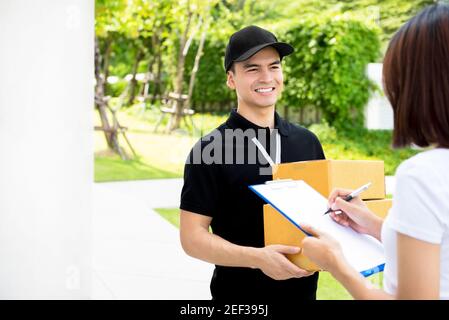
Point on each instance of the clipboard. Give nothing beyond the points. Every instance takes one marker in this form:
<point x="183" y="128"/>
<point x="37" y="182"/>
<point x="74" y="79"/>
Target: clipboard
<point x="299" y="203"/>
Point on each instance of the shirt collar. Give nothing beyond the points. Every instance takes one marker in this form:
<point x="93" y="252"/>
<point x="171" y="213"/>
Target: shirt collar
<point x="237" y="121"/>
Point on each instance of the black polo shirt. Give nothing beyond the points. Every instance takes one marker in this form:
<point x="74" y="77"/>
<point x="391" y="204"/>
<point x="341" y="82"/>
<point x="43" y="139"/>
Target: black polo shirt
<point x="217" y="174"/>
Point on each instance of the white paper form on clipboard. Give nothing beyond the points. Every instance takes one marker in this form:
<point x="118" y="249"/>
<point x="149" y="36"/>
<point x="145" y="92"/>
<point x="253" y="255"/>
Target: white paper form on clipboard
<point x="301" y="204"/>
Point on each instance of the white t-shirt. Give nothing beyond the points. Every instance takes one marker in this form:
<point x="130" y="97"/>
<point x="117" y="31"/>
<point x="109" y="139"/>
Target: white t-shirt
<point x="420" y="210"/>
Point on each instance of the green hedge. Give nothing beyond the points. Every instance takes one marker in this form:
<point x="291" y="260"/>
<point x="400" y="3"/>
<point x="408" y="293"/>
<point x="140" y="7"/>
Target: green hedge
<point x="327" y="69"/>
<point x="362" y="144"/>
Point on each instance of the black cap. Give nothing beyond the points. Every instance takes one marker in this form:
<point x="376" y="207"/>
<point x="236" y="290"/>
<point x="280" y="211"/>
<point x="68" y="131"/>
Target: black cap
<point x="245" y="43"/>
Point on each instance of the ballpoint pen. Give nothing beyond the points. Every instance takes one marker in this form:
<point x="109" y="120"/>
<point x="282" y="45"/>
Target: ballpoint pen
<point x="352" y="195"/>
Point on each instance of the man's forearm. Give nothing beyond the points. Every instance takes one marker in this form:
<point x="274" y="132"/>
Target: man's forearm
<point x="214" y="249"/>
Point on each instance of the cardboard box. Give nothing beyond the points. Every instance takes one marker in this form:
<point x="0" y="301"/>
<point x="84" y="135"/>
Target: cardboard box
<point x="279" y="230"/>
<point x="379" y="207"/>
<point x="325" y="175"/>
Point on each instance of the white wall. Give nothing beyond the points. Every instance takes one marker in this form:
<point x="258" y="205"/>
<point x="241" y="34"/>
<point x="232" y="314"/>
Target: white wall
<point x="46" y="157"/>
<point x="378" y="111"/>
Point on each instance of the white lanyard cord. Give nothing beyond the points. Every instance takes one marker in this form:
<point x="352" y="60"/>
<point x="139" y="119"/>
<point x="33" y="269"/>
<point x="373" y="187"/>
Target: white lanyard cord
<point x="265" y="153"/>
<point x="278" y="148"/>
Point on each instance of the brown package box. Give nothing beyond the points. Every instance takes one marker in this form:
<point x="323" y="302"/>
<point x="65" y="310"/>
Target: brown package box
<point x="325" y="175"/>
<point x="380" y="206"/>
<point x="279" y="230"/>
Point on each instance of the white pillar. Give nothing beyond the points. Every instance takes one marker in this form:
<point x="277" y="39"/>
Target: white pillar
<point x="46" y="156"/>
<point x="378" y="111"/>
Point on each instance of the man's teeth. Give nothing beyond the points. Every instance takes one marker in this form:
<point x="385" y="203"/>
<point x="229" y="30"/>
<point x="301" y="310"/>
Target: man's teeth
<point x="264" y="90"/>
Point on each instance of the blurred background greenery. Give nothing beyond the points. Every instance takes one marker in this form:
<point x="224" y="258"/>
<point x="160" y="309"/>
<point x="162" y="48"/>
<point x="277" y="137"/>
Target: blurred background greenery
<point x="156" y="58"/>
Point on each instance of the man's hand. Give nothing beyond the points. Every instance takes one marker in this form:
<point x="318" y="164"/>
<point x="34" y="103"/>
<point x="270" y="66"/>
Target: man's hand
<point x="275" y="264"/>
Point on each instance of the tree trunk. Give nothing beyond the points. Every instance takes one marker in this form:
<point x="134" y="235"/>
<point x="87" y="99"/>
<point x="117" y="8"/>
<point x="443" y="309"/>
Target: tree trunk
<point x="133" y="84"/>
<point x="99" y="96"/>
<point x="158" y="79"/>
<point x="199" y="53"/>
<point x="146" y="87"/>
<point x="107" y="55"/>
<point x="175" y="120"/>
<point x="155" y="44"/>
<point x="101" y="105"/>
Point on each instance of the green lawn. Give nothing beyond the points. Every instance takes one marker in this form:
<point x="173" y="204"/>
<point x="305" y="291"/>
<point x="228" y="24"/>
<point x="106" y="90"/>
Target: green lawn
<point x="159" y="155"/>
<point x="163" y="155"/>
<point x="328" y="287"/>
<point x="112" y="168"/>
<point x="361" y="145"/>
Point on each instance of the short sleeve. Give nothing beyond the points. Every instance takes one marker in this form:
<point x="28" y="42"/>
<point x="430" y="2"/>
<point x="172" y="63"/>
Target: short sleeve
<point x="418" y="204"/>
<point x="200" y="191"/>
<point x="318" y="148"/>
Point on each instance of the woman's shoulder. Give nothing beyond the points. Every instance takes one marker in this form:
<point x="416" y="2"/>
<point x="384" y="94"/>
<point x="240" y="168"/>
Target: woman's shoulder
<point x="424" y="171"/>
<point x="421" y="196"/>
<point x="426" y="162"/>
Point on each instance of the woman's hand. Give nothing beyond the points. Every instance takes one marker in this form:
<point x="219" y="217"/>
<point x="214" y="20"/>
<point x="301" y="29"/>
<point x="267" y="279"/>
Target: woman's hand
<point x="355" y="214"/>
<point x="326" y="252"/>
<point x="323" y="250"/>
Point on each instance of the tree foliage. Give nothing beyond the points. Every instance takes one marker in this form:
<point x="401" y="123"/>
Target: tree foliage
<point x="127" y="28"/>
<point x="327" y="69"/>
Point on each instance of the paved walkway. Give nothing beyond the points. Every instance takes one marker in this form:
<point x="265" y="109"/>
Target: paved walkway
<point x="137" y="253"/>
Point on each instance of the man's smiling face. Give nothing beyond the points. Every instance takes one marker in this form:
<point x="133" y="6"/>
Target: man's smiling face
<point x="258" y="81"/>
